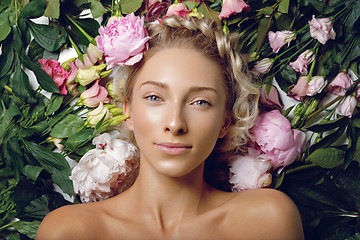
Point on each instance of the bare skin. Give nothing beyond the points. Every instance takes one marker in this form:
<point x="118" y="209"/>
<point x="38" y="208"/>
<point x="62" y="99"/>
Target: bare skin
<point x="170" y="199"/>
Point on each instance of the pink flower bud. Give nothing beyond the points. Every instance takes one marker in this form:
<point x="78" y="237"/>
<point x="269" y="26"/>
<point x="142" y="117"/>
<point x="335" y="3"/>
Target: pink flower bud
<point x="322" y="29"/>
<point x="272" y="99"/>
<point x="70" y="85"/>
<point x="94" y="95"/>
<point x="278" y="39"/>
<point x="347" y="106"/>
<point x="230" y="7"/>
<point x="302" y="62"/>
<point x="298" y="91"/>
<point x="178" y="9"/>
<point x="316" y="85"/>
<point x="341" y="82"/>
<point x="263" y="66"/>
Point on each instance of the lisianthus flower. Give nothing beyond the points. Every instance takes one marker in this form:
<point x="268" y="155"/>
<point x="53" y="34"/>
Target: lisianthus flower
<point x="272" y="135"/>
<point x="230" y="7"/>
<point x="56" y="72"/>
<point x="302" y="62"/>
<point x="315" y="86"/>
<point x="94" y="95"/>
<point x="123" y="41"/>
<point x="92" y="57"/>
<point x="104" y="172"/>
<point x="341" y="82"/>
<point x="87" y="76"/>
<point x="101" y="112"/>
<point x="70" y="85"/>
<point x="270" y="99"/>
<point x="155" y="8"/>
<point x="177" y="9"/>
<point x="263" y="66"/>
<point x="347" y="106"/>
<point x="278" y="39"/>
<point x="298" y="91"/>
<point x="249" y="172"/>
<point x="322" y="29"/>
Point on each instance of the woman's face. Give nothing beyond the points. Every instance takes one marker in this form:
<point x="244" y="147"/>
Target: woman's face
<point x="177" y="110"/>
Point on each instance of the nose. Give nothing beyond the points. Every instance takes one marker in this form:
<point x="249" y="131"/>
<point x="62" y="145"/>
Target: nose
<point x="176" y="121"/>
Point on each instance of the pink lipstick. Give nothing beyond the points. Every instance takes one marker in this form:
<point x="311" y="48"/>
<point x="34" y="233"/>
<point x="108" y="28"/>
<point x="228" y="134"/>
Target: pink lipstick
<point x="173" y="148"/>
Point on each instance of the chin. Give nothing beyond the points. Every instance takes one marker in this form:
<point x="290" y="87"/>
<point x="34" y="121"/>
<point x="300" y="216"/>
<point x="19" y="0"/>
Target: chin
<point x="180" y="170"/>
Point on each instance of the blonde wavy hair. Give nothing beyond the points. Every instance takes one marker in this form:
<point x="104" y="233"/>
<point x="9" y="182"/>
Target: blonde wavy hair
<point x="204" y="36"/>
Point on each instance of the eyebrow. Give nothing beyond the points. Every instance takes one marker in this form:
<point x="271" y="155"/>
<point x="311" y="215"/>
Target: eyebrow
<point x="164" y="85"/>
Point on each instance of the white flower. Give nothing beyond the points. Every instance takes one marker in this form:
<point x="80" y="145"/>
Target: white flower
<point x="106" y="171"/>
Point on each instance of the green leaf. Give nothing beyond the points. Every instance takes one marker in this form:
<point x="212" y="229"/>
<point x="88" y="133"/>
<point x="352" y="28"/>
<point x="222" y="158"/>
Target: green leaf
<point x="328" y="125"/>
<point x="52" y="9"/>
<point x="67" y="127"/>
<point x="32" y="172"/>
<point x="54" y="163"/>
<point x="6" y="59"/>
<point x="329" y="139"/>
<point x="97" y="9"/>
<point x="47" y="36"/>
<point x="327" y="157"/>
<point x="5" y="26"/>
<point x="38" y="208"/>
<point x="263" y="28"/>
<point x="278" y="179"/>
<point x="54" y="104"/>
<point x="33" y="9"/>
<point x="43" y="78"/>
<point x="80" y="138"/>
<point x="289" y="74"/>
<point x="321" y="7"/>
<point x="13" y="153"/>
<point x="208" y="12"/>
<point x="129" y="6"/>
<point x="353" y="135"/>
<point x="27" y="228"/>
<point x="353" y="16"/>
<point x="284" y="6"/>
<point x="21" y="85"/>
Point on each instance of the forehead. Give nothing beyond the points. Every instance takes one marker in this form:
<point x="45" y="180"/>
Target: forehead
<point x="183" y="65"/>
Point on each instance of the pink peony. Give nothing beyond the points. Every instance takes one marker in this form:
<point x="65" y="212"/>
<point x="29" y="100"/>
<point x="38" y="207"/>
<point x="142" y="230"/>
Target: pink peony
<point x="341" y="82"/>
<point x="263" y="66"/>
<point x="322" y="29"/>
<point x="272" y="135"/>
<point x="347" y="106"/>
<point x="94" y="95"/>
<point x="272" y="99"/>
<point x="316" y="85"/>
<point x="105" y="171"/>
<point x="298" y="91"/>
<point x="230" y="7"/>
<point x="178" y="9"/>
<point x="249" y="172"/>
<point x="123" y="41"/>
<point x="278" y="39"/>
<point x="302" y="62"/>
<point x="56" y="72"/>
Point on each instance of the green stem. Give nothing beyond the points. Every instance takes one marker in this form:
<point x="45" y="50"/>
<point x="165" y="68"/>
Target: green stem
<point x="8" y="89"/>
<point x="313" y="64"/>
<point x="303" y="167"/>
<point x="78" y="52"/>
<point x="326" y="106"/>
<point x="86" y="35"/>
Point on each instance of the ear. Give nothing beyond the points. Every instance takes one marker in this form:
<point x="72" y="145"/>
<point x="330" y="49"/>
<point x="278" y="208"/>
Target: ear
<point x="225" y="128"/>
<point x="127" y="110"/>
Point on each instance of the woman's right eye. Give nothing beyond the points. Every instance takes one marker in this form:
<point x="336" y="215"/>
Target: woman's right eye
<point x="153" y="98"/>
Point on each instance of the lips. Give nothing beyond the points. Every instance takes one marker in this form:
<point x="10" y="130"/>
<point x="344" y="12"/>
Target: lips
<point x="173" y="148"/>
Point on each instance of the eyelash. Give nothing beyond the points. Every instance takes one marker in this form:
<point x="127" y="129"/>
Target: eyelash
<point x="200" y="102"/>
<point x="151" y="97"/>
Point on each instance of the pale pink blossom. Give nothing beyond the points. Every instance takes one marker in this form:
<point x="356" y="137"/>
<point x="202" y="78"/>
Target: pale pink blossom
<point x="249" y="172"/>
<point x="341" y="82"/>
<point x="105" y="171"/>
<point x="123" y="41"/>
<point x="272" y="135"/>
<point x="302" y="62"/>
<point x="230" y="7"/>
<point x="271" y="99"/>
<point x="298" y="91"/>
<point x="278" y="39"/>
<point x="56" y="72"/>
<point x="263" y="66"/>
<point x="322" y="29"/>
<point x="92" y="57"/>
<point x="347" y="106"/>
<point x="94" y="95"/>
<point x="315" y="86"/>
<point x="178" y="9"/>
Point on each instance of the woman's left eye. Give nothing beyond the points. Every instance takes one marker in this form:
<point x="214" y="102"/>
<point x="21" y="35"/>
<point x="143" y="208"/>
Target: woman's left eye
<point x="203" y="103"/>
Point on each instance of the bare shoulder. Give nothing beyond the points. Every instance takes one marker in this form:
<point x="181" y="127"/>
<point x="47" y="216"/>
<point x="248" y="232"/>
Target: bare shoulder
<point x="267" y="211"/>
<point x="71" y="222"/>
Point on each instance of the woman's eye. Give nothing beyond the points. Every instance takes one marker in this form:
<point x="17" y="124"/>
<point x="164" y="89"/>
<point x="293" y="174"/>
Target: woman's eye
<point x="203" y="103"/>
<point x="153" y="98"/>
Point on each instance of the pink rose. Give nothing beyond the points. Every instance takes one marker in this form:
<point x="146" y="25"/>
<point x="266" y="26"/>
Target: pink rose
<point x="341" y="82"/>
<point x="156" y="9"/>
<point x="94" y="95"/>
<point x="230" y="7"/>
<point x="322" y="29"/>
<point x="272" y="99"/>
<point x="347" y="106"/>
<point x="178" y="9"/>
<point x="278" y="39"/>
<point x="105" y="171"/>
<point x="302" y="62"/>
<point x="123" y="41"/>
<point x="249" y="172"/>
<point x="298" y="91"/>
<point x="272" y="135"/>
<point x="70" y="84"/>
<point x="56" y="72"/>
<point x="263" y="66"/>
<point x="316" y="85"/>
